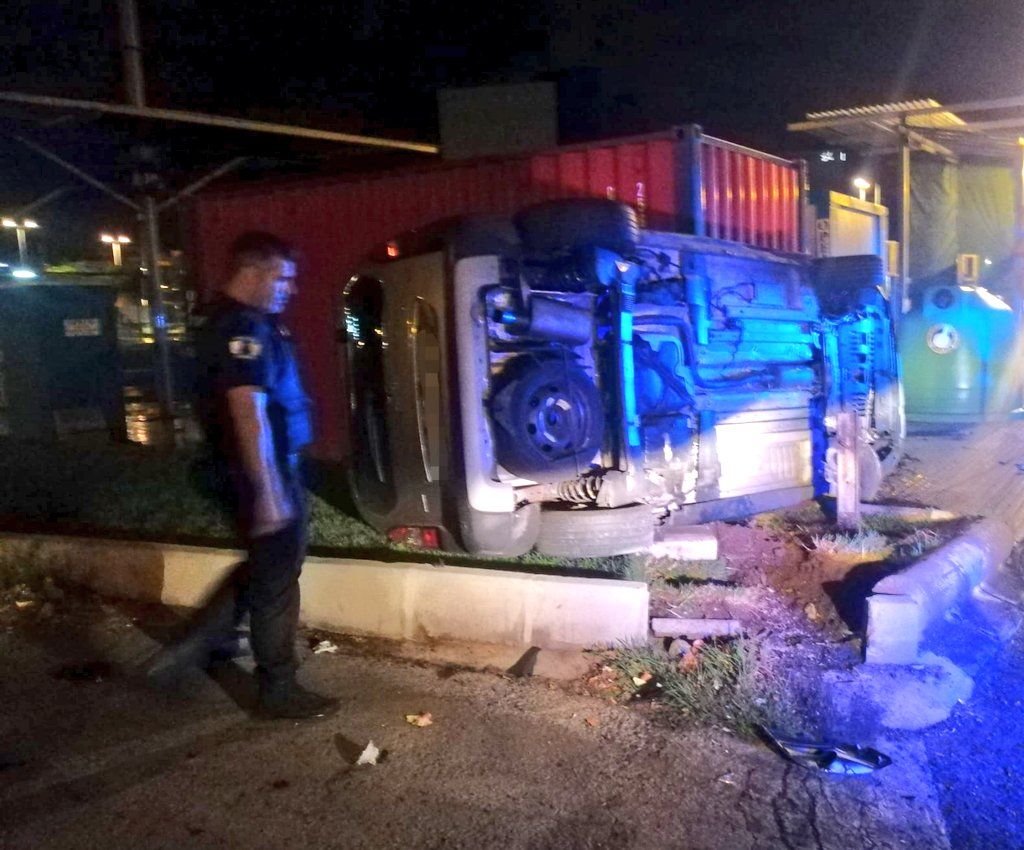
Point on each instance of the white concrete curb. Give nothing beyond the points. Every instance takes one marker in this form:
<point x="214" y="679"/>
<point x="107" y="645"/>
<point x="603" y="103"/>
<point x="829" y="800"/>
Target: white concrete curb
<point x="402" y="601"/>
<point x="903" y="604"/>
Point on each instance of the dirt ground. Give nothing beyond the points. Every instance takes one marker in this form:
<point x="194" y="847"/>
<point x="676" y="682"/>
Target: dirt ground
<point x="88" y="758"/>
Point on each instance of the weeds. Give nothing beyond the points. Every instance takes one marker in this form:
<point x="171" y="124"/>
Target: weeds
<point x="796" y="518"/>
<point x="862" y="545"/>
<point x="917" y="543"/>
<point x="720" y="683"/>
<point x="890" y="526"/>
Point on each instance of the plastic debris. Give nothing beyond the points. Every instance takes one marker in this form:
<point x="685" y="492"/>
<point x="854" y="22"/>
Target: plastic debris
<point x="650" y="689"/>
<point x="422" y="719"/>
<point x="642" y="679"/>
<point x="22" y="604"/>
<point x="370" y="755"/>
<point x="837" y="759"/>
<point x="325" y="646"/>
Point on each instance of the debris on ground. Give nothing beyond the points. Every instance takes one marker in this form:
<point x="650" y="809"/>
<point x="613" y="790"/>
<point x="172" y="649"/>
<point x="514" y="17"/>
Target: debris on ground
<point x="424" y="718"/>
<point x="325" y="647"/>
<point x="370" y="755"/>
<point x="837" y="759"/>
<point x="591" y="721"/>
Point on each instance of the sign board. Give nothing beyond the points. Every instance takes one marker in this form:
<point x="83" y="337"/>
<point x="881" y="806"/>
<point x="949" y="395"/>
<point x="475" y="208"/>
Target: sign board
<point x="82" y="327"/>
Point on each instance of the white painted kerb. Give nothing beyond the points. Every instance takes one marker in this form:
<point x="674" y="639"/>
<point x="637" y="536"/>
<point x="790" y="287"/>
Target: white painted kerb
<point x="402" y="601"/>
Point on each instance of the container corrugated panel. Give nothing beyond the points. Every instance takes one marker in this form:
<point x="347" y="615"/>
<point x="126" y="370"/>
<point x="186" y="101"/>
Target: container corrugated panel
<point x="336" y="222"/>
<point x="750" y="197"/>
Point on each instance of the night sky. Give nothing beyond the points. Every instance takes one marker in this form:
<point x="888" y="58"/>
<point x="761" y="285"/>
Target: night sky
<point x="741" y="69"/>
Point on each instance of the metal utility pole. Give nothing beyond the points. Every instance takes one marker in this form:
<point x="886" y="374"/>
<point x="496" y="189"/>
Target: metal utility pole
<point x="135" y="86"/>
<point x="905" y="200"/>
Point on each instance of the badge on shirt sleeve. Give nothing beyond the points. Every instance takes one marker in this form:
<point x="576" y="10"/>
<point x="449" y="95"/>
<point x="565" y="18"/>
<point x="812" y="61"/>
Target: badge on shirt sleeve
<point x="245" y="347"/>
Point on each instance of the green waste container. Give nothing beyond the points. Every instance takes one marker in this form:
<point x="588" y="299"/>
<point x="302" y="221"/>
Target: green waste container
<point x="960" y="362"/>
<point x="59" y="367"/>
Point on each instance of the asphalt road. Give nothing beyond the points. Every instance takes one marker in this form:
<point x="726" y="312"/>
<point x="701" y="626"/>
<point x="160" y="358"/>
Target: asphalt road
<point x="977" y="758"/>
<point x="510" y="763"/>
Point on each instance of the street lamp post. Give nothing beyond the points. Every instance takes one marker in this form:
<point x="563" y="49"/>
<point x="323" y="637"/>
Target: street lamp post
<point x="115" y="243"/>
<point x="21" y="228"/>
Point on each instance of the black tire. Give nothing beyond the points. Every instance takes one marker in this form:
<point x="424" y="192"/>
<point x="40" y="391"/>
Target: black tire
<point x="556" y="227"/>
<point x="586" y="532"/>
<point x="845" y="283"/>
<point x="549" y="418"/>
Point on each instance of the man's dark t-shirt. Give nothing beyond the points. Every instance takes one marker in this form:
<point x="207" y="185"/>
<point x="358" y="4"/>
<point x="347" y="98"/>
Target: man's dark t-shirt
<point x="239" y="346"/>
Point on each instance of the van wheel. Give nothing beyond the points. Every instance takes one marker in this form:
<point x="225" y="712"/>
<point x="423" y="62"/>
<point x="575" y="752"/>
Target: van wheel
<point x="587" y="532"/>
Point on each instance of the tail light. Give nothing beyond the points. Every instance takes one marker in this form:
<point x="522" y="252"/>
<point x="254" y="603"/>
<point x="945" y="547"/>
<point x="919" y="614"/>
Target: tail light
<point x="417" y="537"/>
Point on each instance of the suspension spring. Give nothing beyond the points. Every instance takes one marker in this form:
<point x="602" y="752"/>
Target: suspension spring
<point x="580" y="490"/>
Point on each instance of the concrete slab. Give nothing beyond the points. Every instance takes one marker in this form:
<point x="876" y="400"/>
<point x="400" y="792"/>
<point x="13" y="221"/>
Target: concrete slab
<point x="865" y="700"/>
<point x="401" y="601"/>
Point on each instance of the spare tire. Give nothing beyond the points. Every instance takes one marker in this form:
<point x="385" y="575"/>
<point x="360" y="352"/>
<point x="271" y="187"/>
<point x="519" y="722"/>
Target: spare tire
<point x="556" y="227"/>
<point x="588" y="532"/>
<point x="549" y="419"/>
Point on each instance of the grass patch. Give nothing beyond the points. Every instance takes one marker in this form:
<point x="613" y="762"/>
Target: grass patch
<point x="862" y="545"/>
<point x="804" y="515"/>
<point x="720" y="683"/>
<point x="145" y="492"/>
<point x="889" y="525"/>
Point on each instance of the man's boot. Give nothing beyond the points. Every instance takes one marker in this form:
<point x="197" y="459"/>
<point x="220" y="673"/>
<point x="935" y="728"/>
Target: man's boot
<point x="286" y="699"/>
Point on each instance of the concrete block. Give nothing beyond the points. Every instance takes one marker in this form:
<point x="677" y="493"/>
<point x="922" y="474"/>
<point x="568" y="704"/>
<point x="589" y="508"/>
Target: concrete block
<point x="895" y="627"/>
<point x="938" y="580"/>
<point x="399" y="601"/>
<point x="686" y="543"/>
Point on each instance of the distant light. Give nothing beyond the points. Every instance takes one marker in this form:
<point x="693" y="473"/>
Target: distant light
<point x="392" y="249"/>
<point x="24" y="274"/>
<point x="9" y="222"/>
<point x="106" y="237"/>
<point x="861" y="183"/>
<point x="988" y="261"/>
<point x="3" y="265"/>
<point x="30" y="224"/>
<point x="124" y="240"/>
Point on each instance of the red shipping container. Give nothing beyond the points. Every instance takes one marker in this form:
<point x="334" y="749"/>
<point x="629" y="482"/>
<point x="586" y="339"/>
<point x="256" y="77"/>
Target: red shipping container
<point x="680" y="180"/>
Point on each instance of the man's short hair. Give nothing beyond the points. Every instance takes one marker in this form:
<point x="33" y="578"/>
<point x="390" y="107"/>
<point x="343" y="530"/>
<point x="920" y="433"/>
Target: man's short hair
<point x="256" y="248"/>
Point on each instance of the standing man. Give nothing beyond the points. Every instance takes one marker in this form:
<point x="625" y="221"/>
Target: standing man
<point x="257" y="419"/>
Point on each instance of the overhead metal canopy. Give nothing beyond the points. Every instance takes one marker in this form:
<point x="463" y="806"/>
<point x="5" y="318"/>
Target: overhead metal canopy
<point x="989" y="128"/>
<point x="980" y="127"/>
